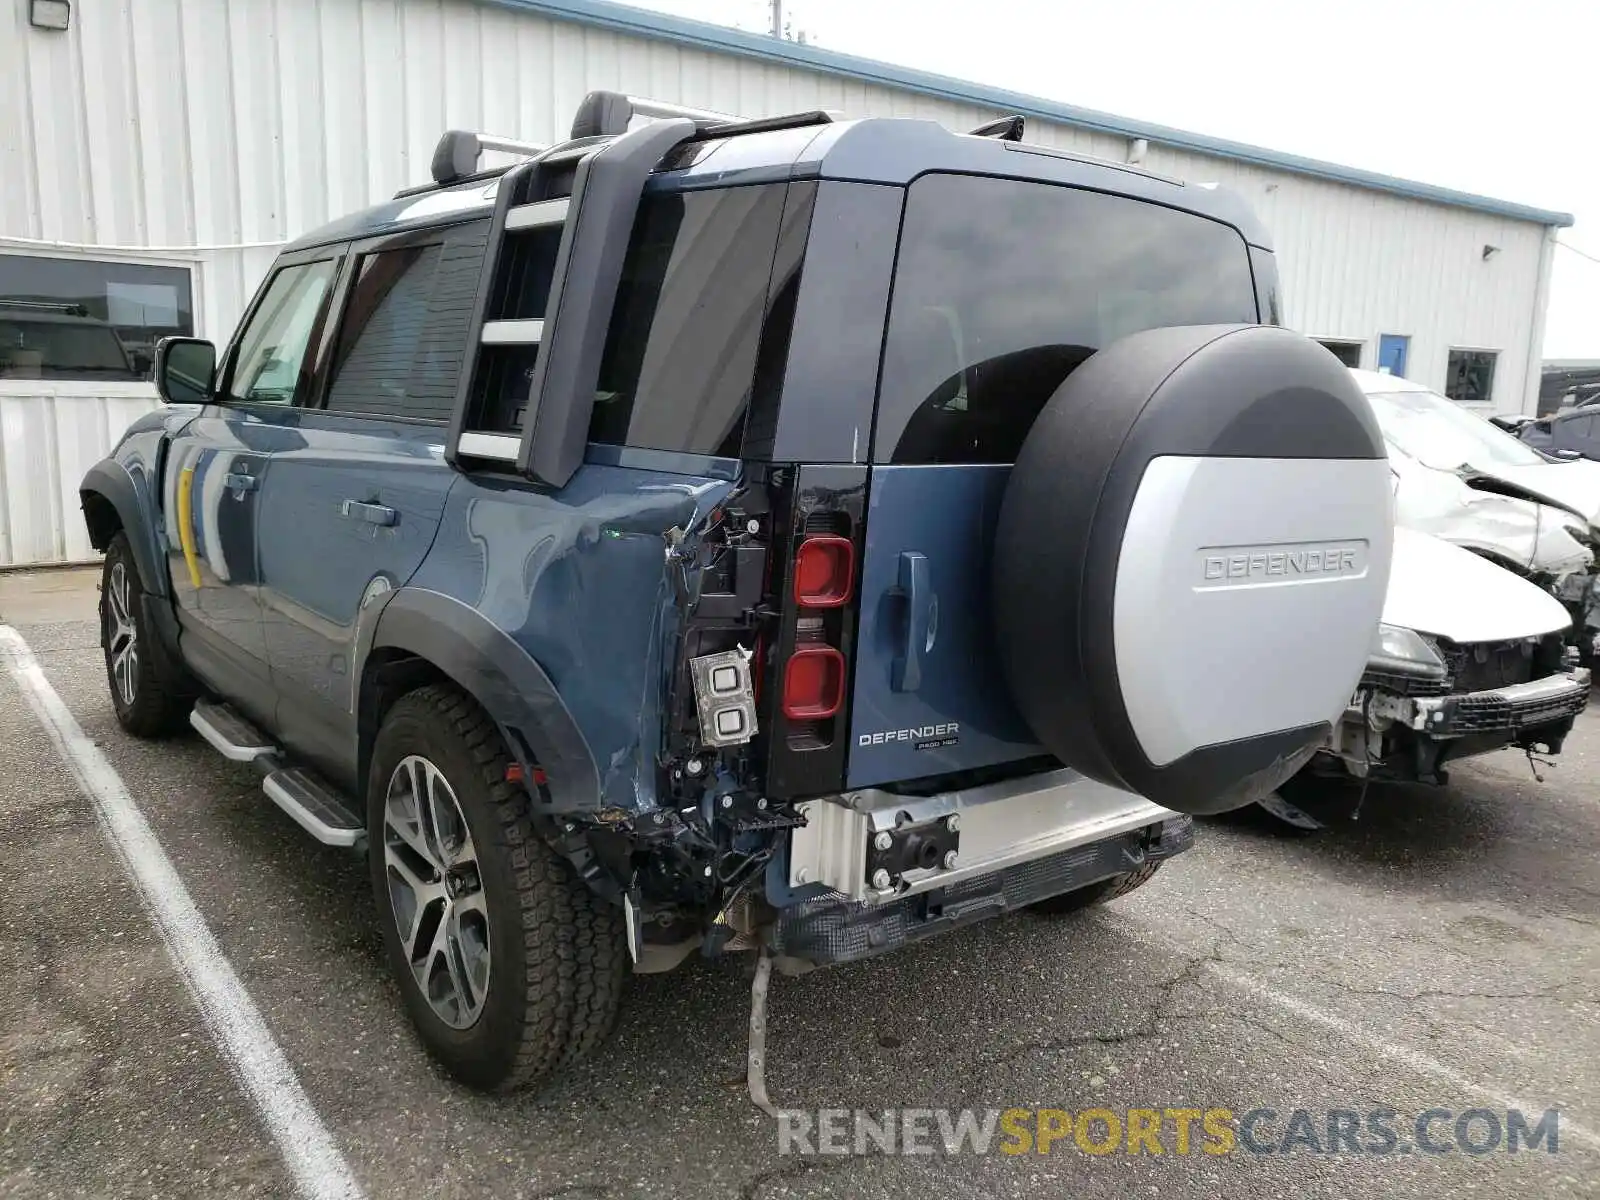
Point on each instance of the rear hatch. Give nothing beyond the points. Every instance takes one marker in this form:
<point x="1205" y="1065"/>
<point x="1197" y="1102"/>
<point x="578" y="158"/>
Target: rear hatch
<point x="1002" y="288"/>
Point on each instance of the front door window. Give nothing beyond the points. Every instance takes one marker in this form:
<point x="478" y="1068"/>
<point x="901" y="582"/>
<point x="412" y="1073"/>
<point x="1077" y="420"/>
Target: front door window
<point x="272" y="351"/>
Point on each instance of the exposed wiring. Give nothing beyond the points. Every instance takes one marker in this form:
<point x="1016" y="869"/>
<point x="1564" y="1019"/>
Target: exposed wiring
<point x="1366" y="749"/>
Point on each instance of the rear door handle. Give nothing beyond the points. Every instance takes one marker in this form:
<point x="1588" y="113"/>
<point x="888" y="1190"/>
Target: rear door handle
<point x="922" y="619"/>
<point x="238" y="481"/>
<point x="372" y="514"/>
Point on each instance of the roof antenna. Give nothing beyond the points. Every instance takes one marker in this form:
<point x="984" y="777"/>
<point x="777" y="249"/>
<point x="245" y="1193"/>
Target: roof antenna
<point x="1007" y="129"/>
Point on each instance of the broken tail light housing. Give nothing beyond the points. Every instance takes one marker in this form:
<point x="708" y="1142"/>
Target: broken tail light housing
<point x="824" y="569"/>
<point x="813" y="683"/>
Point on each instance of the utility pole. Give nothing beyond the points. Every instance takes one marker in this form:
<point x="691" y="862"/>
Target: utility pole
<point x="777" y="19"/>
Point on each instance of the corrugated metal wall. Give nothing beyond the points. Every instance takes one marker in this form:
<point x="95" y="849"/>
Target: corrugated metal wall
<point x="198" y="123"/>
<point x="51" y="433"/>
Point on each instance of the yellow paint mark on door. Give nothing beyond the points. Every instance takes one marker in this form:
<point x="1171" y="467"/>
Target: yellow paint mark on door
<point x="186" y="524"/>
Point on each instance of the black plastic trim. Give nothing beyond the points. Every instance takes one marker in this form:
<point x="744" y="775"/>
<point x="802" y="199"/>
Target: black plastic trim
<point x="110" y="479"/>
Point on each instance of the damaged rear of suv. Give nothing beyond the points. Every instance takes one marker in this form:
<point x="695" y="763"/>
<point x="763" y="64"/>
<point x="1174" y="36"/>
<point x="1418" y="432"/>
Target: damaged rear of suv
<point x="794" y="536"/>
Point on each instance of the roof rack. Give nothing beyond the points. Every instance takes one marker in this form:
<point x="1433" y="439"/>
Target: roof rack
<point x="601" y="114"/>
<point x="456" y="156"/>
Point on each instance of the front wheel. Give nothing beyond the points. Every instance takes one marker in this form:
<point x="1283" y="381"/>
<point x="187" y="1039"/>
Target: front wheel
<point x="144" y="703"/>
<point x="509" y="966"/>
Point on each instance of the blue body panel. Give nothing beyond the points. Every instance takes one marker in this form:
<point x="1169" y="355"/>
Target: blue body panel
<point x="579" y="581"/>
<point x="349" y="508"/>
<point x="924" y="657"/>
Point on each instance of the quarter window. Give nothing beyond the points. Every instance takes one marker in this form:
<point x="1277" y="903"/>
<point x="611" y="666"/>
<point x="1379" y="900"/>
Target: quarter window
<point x="1003" y="288"/>
<point x="271" y="360"/>
<point x="74" y="318"/>
<point x="680" y="356"/>
<point x="403" y="338"/>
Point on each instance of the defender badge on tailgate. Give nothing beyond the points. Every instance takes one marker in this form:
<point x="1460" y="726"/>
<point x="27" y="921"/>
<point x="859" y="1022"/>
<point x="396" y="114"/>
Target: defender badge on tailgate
<point x="923" y="737"/>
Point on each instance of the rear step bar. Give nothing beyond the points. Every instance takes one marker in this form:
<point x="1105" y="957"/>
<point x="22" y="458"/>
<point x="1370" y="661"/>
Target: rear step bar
<point x="313" y="805"/>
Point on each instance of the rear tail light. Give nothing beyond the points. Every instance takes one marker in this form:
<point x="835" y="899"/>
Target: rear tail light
<point x="824" y="568"/>
<point x="813" y="683"/>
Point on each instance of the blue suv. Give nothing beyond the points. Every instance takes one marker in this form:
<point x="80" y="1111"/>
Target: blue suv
<point x="790" y="536"/>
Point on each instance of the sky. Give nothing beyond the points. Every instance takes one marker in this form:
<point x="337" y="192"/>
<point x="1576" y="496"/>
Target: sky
<point x="1466" y="94"/>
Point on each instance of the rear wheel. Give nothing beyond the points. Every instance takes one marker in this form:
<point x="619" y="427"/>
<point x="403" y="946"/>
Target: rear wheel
<point x="509" y="966"/>
<point x="136" y="665"/>
<point x="1097" y="893"/>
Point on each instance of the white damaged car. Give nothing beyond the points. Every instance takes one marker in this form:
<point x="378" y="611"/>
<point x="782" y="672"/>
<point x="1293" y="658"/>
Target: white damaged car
<point x="1459" y="477"/>
<point x="1470" y="658"/>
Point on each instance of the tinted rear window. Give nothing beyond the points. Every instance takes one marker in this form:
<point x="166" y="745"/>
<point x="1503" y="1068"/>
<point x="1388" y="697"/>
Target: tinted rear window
<point x="1002" y="288"/>
<point x="405" y="325"/>
<point x="680" y="356"/>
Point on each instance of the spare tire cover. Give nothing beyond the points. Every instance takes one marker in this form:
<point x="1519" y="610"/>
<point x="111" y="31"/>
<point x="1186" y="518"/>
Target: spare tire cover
<point x="1191" y="560"/>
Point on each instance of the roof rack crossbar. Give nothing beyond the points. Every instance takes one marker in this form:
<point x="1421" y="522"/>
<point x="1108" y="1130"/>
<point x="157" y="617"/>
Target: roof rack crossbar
<point x="457" y="154"/>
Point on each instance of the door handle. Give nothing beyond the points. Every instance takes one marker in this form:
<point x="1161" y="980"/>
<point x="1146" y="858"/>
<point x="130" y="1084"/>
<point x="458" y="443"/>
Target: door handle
<point x="238" y="481"/>
<point x="922" y="618"/>
<point x="372" y="514"/>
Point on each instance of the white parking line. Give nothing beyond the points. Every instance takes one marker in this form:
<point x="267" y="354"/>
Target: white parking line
<point x="1417" y="1061"/>
<point x="319" y="1169"/>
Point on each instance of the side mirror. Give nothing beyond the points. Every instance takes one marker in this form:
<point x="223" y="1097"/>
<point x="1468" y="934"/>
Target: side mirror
<point x="185" y="369"/>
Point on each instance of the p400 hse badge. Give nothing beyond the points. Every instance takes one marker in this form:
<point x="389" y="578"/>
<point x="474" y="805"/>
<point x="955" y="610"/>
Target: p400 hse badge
<point x="925" y="737"/>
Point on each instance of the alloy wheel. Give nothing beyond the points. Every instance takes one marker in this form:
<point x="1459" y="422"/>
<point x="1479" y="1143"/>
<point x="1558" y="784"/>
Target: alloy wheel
<point x="436" y="891"/>
<point x="122" y="635"/>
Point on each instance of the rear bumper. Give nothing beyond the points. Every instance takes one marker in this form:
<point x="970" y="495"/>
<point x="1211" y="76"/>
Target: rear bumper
<point x="829" y="930"/>
<point x="956" y="857"/>
<point x="989" y="829"/>
<point x="1511" y="710"/>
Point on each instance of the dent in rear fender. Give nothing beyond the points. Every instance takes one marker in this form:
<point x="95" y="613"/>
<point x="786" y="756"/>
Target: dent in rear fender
<point x="130" y="478"/>
<point x="511" y="686"/>
<point x="577" y="581"/>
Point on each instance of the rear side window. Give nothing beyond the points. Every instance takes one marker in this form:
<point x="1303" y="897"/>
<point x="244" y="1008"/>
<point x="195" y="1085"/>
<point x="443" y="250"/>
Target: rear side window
<point x="680" y="356"/>
<point x="402" y="340"/>
<point x="1003" y="288"/>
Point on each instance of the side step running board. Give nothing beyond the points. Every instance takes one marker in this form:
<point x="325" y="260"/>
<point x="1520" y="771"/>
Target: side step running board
<point x="315" y="807"/>
<point x="230" y="734"/>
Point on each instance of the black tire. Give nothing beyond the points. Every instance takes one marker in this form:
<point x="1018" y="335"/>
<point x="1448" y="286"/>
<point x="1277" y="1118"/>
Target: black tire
<point x="556" y="954"/>
<point x="1097" y="893"/>
<point x="138" y="669"/>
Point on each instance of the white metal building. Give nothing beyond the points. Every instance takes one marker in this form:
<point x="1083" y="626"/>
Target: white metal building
<point x="154" y="154"/>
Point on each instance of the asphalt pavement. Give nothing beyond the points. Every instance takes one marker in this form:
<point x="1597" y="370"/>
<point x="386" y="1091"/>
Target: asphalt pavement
<point x="1440" y="952"/>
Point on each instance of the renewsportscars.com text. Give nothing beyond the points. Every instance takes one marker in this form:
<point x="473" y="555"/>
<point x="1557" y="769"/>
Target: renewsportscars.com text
<point x="1161" y="1131"/>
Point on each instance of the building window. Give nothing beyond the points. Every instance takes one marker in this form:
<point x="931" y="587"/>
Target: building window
<point x="76" y="318"/>
<point x="1349" y="353"/>
<point x="1469" y="378"/>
